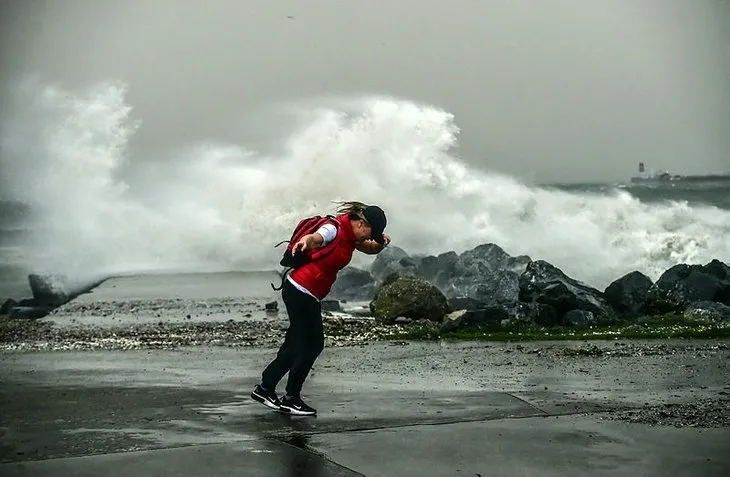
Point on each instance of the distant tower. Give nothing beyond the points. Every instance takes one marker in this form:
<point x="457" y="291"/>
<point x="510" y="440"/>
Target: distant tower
<point x="641" y="168"/>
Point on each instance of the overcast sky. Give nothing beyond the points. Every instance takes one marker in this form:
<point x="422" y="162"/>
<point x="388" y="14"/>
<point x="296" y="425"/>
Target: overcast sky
<point x="548" y="90"/>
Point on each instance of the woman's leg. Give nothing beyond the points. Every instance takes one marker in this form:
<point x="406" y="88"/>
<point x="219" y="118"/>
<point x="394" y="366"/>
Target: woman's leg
<point x="309" y="347"/>
<point x="293" y="300"/>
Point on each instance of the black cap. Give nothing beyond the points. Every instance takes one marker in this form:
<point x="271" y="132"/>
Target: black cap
<point x="376" y="218"/>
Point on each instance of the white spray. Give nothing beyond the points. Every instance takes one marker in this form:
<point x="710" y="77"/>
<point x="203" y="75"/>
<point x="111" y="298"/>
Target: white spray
<point x="222" y="206"/>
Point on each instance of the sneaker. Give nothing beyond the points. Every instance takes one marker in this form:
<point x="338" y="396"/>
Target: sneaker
<point x="295" y="405"/>
<point x="266" y="397"/>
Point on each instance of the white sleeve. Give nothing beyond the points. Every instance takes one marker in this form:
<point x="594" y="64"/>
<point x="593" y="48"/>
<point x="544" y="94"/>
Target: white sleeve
<point x="328" y="232"/>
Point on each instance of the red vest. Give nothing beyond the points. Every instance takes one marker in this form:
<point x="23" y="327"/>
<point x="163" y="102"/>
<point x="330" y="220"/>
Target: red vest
<point x="319" y="276"/>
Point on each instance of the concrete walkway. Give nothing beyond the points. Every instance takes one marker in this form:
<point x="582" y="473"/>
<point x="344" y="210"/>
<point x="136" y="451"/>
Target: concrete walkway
<point x="386" y="409"/>
<point x="187" y="412"/>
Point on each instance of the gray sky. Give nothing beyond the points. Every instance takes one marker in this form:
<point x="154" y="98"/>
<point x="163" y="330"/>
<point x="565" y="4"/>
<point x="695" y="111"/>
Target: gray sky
<point x="548" y="90"/>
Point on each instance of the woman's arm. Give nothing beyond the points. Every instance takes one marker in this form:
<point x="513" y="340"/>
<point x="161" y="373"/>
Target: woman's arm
<point x="371" y="247"/>
<point x="314" y="240"/>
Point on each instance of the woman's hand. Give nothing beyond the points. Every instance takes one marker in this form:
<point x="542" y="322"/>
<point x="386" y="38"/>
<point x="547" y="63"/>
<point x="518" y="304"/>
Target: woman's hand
<point x="308" y="241"/>
<point x="371" y="247"/>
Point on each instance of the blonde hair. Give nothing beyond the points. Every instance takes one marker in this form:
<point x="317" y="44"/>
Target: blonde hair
<point x="354" y="208"/>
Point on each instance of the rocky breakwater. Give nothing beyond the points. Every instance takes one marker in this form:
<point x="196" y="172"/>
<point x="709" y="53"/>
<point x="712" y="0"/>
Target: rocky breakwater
<point x="486" y="287"/>
<point x="48" y="292"/>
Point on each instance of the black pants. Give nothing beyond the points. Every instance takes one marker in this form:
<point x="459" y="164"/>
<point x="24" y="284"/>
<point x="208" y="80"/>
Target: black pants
<point x="303" y="342"/>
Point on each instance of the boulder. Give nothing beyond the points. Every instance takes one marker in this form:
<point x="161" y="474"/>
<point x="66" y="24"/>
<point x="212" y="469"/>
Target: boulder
<point x="453" y="321"/>
<point x="544" y="283"/>
<point x="501" y="287"/>
<point x="532" y="313"/>
<point x="465" y="303"/>
<point x="683" y="284"/>
<point x="29" y="312"/>
<point x="330" y="305"/>
<point x="490" y="258"/>
<point x="721" y="271"/>
<point x="515" y="313"/>
<point x="411" y="297"/>
<point x="7" y="306"/>
<point x="353" y="284"/>
<point x="486" y="273"/>
<point x="479" y="318"/>
<point x="392" y="260"/>
<point x="579" y="318"/>
<point x="439" y="270"/>
<point x="723" y="296"/>
<point x="717" y="269"/>
<point x="628" y="294"/>
<point x="48" y="290"/>
<point x="710" y="311"/>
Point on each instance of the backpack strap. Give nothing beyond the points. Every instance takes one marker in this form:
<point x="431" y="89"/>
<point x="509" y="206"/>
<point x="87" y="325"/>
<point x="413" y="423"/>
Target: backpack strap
<point x="321" y="252"/>
<point x="283" y="277"/>
<point x="306" y="227"/>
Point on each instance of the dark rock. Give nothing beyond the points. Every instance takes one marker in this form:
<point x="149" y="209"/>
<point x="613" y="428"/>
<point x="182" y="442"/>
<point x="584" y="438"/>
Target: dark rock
<point x="330" y="305"/>
<point x="494" y="314"/>
<point x="452" y="321"/>
<point x="544" y="315"/>
<point x="721" y="271"/>
<point x="533" y="313"/>
<point x="465" y="303"/>
<point x="48" y="290"/>
<point x="496" y="288"/>
<point x="479" y="318"/>
<point x="503" y="314"/>
<point x="683" y="284"/>
<point x="698" y="286"/>
<point x="490" y="258"/>
<point x="579" y="317"/>
<point x="389" y="279"/>
<point x="520" y="313"/>
<point x="7" y="306"/>
<point x="411" y="297"/>
<point x="392" y="260"/>
<point x="540" y="293"/>
<point x="717" y="269"/>
<point x="502" y="287"/>
<point x="544" y="283"/>
<point x="628" y="294"/>
<point x="486" y="273"/>
<point x="438" y="270"/>
<point x="271" y="306"/>
<point x="353" y="284"/>
<point x="707" y="311"/>
<point x="29" y="312"/>
<point x="723" y="296"/>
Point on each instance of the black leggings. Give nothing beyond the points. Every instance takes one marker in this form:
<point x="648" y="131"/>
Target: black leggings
<point x="303" y="342"/>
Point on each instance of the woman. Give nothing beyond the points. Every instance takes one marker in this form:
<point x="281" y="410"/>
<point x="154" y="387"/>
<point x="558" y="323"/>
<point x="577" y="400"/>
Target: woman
<point x="356" y="227"/>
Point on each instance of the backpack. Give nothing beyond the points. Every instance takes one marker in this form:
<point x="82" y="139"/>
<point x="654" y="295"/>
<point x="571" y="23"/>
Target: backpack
<point x="305" y="227"/>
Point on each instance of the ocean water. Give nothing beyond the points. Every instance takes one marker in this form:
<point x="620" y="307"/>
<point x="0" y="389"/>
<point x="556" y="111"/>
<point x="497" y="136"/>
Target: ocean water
<point x="78" y="200"/>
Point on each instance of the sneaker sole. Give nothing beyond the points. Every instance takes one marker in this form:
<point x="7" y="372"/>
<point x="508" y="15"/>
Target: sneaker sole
<point x="265" y="402"/>
<point x="296" y="412"/>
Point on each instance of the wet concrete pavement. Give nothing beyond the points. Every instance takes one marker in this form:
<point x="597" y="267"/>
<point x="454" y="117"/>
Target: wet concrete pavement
<point x="385" y="409"/>
<point x="187" y="412"/>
